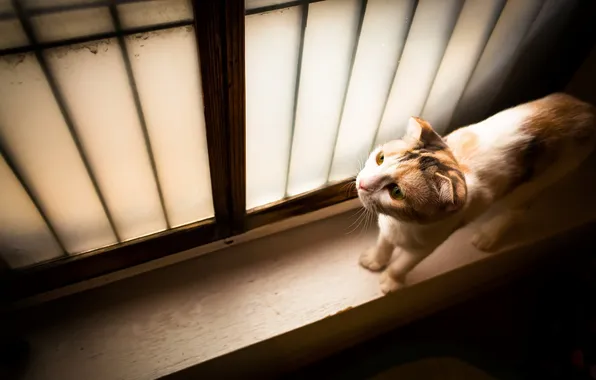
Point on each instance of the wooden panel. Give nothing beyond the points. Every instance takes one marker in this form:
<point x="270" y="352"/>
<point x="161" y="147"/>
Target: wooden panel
<point x="21" y="284"/>
<point x="301" y="204"/>
<point x="236" y="110"/>
<point x="209" y="24"/>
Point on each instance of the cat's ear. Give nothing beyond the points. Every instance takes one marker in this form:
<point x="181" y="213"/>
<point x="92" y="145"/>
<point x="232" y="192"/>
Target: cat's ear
<point x="421" y="130"/>
<point x="452" y="191"/>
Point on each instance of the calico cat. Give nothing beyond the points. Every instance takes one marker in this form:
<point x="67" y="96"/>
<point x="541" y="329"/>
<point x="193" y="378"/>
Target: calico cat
<point x="423" y="187"/>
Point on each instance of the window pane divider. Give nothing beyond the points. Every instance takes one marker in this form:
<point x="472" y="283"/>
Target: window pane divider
<point x="219" y="89"/>
<point x="236" y="109"/>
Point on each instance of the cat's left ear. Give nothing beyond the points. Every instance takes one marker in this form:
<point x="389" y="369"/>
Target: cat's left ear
<point x="421" y="130"/>
<point x="452" y="191"/>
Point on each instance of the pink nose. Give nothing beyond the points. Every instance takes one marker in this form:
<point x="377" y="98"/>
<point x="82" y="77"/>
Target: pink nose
<point x="371" y="183"/>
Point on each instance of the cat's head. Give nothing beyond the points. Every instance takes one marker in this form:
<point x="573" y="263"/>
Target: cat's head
<point x="416" y="179"/>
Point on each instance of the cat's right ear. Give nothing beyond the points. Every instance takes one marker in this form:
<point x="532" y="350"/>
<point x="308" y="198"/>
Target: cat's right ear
<point x="414" y="129"/>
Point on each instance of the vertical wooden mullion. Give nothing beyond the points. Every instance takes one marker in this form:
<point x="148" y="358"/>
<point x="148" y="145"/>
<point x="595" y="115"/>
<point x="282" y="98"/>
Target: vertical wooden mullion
<point x="209" y="24"/>
<point x="236" y="107"/>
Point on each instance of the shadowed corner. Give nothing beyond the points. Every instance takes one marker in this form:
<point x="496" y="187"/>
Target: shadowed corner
<point x="14" y="355"/>
<point x="14" y="350"/>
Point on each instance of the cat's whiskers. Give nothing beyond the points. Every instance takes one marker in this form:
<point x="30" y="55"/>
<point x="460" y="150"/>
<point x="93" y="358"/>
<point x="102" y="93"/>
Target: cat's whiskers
<point x="361" y="215"/>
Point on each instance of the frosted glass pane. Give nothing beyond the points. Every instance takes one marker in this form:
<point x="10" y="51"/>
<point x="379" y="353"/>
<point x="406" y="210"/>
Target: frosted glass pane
<point x="97" y="91"/>
<point x="272" y="44"/>
<point x="72" y="24"/>
<point x="6" y="6"/>
<point x="165" y="67"/>
<point x="34" y="134"/>
<point x="384" y="31"/>
<point x="44" y="4"/>
<point x="329" y="43"/>
<point x="474" y="26"/>
<point x="24" y="237"/>
<point x="537" y="48"/>
<point x="252" y="4"/>
<point x="11" y="34"/>
<point x="134" y="15"/>
<point x="431" y="29"/>
<point x="496" y="61"/>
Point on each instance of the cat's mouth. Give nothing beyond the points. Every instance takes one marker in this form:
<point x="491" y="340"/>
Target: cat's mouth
<point x="366" y="200"/>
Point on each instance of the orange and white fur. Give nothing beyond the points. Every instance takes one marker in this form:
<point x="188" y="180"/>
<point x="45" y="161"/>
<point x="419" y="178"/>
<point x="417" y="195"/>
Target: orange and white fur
<point x="423" y="187"/>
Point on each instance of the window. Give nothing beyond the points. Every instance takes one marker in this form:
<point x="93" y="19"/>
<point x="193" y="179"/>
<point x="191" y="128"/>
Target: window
<point x="133" y="129"/>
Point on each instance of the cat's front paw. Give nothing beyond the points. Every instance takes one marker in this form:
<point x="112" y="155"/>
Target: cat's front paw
<point x="485" y="242"/>
<point x="389" y="284"/>
<point x="369" y="260"/>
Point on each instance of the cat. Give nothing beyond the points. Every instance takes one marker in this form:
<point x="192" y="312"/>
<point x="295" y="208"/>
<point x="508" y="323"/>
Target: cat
<point x="423" y="187"/>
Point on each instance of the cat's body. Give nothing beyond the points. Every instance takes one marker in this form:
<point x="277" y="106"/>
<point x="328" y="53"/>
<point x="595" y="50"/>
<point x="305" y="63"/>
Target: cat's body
<point x="424" y="187"/>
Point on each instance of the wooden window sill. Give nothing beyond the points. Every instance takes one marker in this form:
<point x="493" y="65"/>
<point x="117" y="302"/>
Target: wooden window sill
<point x="299" y="291"/>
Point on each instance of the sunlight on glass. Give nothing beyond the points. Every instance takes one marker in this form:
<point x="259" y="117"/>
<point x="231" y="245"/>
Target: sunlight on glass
<point x="497" y="59"/>
<point x="77" y="23"/>
<point x="428" y="37"/>
<point x="384" y="30"/>
<point x="24" y="237"/>
<point x="94" y="82"/>
<point x="33" y="133"/>
<point x="165" y="66"/>
<point x="270" y="88"/>
<point x="474" y="26"/>
<point x="329" y="43"/>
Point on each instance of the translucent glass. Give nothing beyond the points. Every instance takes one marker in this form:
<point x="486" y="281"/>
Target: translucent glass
<point x="138" y="14"/>
<point x="72" y="24"/>
<point x="165" y="66"/>
<point x="497" y="60"/>
<point x="97" y="90"/>
<point x="272" y="44"/>
<point x="329" y="43"/>
<point x="11" y="34"/>
<point x="6" y="6"/>
<point x="24" y="237"/>
<point x="431" y="29"/>
<point x="474" y="26"/>
<point x="44" y="4"/>
<point x="383" y="35"/>
<point x="33" y="133"/>
<point x="536" y="48"/>
<point x="253" y="4"/>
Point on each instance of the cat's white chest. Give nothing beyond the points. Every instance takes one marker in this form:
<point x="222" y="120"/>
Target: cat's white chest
<point x="415" y="237"/>
<point x="393" y="231"/>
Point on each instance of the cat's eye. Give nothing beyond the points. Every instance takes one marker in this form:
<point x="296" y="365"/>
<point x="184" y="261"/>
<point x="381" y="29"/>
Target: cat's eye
<point x="380" y="158"/>
<point x="395" y="192"/>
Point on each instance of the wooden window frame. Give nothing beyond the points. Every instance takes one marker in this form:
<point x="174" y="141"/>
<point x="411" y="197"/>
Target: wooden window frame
<point x="219" y="28"/>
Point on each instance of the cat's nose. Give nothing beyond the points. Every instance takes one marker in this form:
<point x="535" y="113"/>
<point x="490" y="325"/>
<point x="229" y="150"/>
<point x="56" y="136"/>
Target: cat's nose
<point x="371" y="183"/>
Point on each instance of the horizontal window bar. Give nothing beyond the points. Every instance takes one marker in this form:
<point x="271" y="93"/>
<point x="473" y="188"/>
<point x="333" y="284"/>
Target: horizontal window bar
<point x="65" y="8"/>
<point x="78" y="40"/>
<point x="275" y="7"/>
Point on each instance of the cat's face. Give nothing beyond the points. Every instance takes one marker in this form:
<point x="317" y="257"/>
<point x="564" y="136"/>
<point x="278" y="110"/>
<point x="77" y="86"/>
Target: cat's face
<point x="415" y="179"/>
